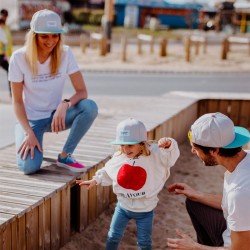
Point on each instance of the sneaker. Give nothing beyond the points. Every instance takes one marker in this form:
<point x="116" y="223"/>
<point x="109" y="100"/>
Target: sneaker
<point x="70" y="163"/>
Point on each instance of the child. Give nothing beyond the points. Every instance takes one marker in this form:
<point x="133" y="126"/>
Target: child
<point x="138" y="172"/>
<point x="3" y="45"/>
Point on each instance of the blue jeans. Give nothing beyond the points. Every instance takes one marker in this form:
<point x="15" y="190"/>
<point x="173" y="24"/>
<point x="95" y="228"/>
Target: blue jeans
<point x="120" y="219"/>
<point x="79" y="118"/>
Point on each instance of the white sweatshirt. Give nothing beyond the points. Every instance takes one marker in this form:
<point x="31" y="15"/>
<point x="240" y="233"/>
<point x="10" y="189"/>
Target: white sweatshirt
<point x="137" y="182"/>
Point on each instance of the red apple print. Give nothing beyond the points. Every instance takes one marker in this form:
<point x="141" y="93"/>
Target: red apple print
<point x="131" y="177"/>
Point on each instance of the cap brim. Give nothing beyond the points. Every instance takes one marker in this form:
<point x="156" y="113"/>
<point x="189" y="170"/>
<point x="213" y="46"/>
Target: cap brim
<point x="242" y="137"/>
<point x="50" y="32"/>
<point x="124" y="142"/>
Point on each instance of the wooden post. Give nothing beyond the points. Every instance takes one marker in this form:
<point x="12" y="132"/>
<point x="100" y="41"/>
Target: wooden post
<point x="108" y="13"/>
<point x="163" y="47"/>
<point x="152" y="45"/>
<point x="103" y="46"/>
<point x="187" y="48"/>
<point x="205" y="46"/>
<point x="83" y="43"/>
<point x="224" y="49"/>
<point x="197" y="45"/>
<point x="124" y="48"/>
<point x="139" y="46"/>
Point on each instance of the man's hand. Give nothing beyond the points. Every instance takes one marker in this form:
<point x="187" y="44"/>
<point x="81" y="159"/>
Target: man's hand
<point x="182" y="188"/>
<point x="58" y="122"/>
<point x="184" y="243"/>
<point x="29" y="143"/>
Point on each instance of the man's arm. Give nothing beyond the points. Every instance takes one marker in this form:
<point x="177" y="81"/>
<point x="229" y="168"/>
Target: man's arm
<point x="212" y="200"/>
<point x="240" y="240"/>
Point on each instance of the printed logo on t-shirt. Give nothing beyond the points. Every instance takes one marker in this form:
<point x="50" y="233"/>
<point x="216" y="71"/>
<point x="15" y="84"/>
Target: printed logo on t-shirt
<point x="131" y="177"/>
<point x="45" y="77"/>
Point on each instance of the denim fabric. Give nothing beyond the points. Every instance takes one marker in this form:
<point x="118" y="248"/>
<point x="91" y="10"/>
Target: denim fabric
<point x="120" y="219"/>
<point x="79" y="118"/>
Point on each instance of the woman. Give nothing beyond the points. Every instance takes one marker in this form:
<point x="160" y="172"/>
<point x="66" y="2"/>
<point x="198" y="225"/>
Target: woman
<point x="37" y="73"/>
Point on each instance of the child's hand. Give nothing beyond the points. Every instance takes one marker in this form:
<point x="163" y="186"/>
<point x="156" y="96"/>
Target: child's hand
<point x="90" y="183"/>
<point x="164" y="143"/>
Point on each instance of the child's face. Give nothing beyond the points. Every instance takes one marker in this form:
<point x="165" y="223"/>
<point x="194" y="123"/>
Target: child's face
<point x="131" y="151"/>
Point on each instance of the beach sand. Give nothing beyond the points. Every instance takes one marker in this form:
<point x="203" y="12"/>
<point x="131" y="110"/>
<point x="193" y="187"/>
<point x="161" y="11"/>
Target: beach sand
<point x="169" y="214"/>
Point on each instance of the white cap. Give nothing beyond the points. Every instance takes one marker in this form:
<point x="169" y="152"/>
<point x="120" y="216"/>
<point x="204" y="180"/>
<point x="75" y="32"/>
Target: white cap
<point x="218" y="131"/>
<point x="130" y="132"/>
<point x="46" y="22"/>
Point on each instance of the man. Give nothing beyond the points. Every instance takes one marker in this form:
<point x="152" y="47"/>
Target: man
<point x="216" y="141"/>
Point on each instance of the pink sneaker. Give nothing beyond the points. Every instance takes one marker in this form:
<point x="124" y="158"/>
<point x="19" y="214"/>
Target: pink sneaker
<point x="70" y="163"/>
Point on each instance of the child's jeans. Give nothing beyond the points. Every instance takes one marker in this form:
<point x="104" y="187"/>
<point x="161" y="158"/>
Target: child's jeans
<point x="144" y="223"/>
<point x="79" y="118"/>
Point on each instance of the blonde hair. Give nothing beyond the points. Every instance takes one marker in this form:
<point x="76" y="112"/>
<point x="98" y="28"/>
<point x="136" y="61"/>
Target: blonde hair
<point x="31" y="54"/>
<point x="144" y="149"/>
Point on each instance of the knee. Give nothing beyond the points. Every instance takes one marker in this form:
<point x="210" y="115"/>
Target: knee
<point x="114" y="237"/>
<point x="89" y="107"/>
<point x="30" y="166"/>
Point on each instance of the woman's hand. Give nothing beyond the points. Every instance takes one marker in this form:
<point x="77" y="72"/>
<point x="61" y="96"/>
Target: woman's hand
<point x="28" y="145"/>
<point x="90" y="183"/>
<point x="58" y="122"/>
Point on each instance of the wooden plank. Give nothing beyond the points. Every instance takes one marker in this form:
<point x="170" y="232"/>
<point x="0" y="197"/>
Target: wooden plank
<point x="102" y="195"/>
<point x="23" y="199"/>
<point x="6" y="237"/>
<point x="55" y="221"/>
<point x="22" y="233"/>
<point x="31" y="182"/>
<point x="18" y="209"/>
<point x="92" y="207"/>
<point x="83" y="206"/>
<point x="202" y="107"/>
<point x="213" y="106"/>
<point x="65" y="213"/>
<point x="46" y="223"/>
<point x="14" y="235"/>
<point x="47" y="174"/>
<point x="244" y="116"/>
<point x="225" y="107"/>
<point x="26" y="190"/>
<point x="32" y="226"/>
<point x="235" y="111"/>
<point x="41" y="229"/>
<point x="6" y="219"/>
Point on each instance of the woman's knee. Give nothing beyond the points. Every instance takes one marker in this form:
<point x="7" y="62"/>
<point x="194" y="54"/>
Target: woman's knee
<point x="89" y="107"/>
<point x="30" y="166"/>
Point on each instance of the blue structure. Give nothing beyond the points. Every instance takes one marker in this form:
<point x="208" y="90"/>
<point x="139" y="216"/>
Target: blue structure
<point x="169" y="14"/>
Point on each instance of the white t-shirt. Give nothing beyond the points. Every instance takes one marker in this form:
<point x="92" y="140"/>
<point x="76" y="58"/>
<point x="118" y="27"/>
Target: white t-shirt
<point x="137" y="182"/>
<point x="41" y="93"/>
<point x="236" y="199"/>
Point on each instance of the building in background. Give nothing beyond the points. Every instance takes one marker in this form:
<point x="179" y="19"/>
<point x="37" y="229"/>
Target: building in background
<point x="138" y="12"/>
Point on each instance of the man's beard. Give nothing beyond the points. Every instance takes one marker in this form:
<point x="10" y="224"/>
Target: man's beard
<point x="210" y="161"/>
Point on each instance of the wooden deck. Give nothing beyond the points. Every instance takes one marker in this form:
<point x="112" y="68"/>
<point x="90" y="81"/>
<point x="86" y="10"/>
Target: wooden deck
<point x="40" y="211"/>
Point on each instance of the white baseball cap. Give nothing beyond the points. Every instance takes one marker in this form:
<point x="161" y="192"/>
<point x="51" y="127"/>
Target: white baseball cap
<point x="46" y="22"/>
<point x="130" y="132"/>
<point x="218" y="131"/>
